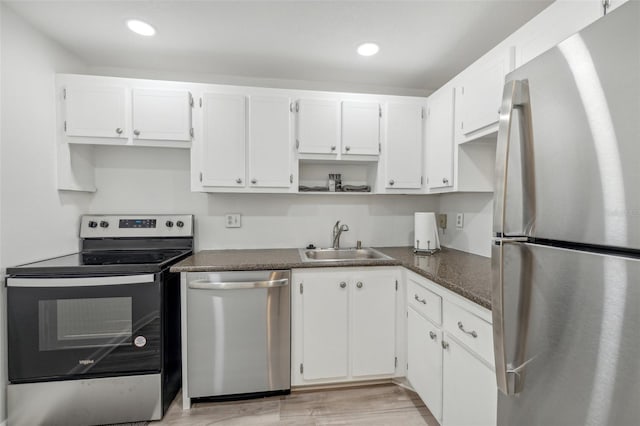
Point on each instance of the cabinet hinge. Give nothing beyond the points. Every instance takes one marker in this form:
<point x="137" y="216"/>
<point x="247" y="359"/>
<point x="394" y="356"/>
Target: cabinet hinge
<point x="606" y="4"/>
<point x="200" y="176"/>
<point x="396" y="285"/>
<point x="191" y="99"/>
<point x="462" y="90"/>
<point x="64" y="93"/>
<point x="191" y="132"/>
<point x="462" y="124"/>
<point x="291" y="178"/>
<point x="301" y="288"/>
<point x="421" y="180"/>
<point x="380" y="111"/>
<point x="380" y="148"/>
<point x="65" y="125"/>
<point x="422" y="112"/>
<point x="396" y="361"/>
<point x="200" y="102"/>
<point x="297" y="143"/>
<point x="297" y="106"/>
<point x="301" y="368"/>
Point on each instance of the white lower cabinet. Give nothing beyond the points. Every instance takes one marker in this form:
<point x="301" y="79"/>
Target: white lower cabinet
<point x="343" y="324"/>
<point x="450" y="367"/>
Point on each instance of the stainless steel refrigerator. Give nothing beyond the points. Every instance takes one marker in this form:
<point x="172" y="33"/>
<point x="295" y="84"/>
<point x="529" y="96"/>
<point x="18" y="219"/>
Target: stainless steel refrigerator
<point x="566" y="249"/>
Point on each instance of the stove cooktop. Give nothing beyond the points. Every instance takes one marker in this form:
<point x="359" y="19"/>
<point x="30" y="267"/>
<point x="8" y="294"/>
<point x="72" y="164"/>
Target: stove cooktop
<point x="103" y="262"/>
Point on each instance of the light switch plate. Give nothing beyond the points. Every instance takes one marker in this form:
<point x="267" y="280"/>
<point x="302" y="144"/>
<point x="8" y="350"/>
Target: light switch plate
<point x="460" y="220"/>
<point x="232" y="220"/>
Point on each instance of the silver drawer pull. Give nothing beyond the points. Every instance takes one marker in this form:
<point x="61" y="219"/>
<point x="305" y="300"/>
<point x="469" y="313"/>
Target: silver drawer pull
<point x="471" y="333"/>
<point x="432" y="335"/>
<point x="423" y="301"/>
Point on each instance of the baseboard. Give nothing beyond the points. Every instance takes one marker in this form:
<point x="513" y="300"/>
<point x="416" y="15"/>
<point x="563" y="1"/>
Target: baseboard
<point x="343" y="385"/>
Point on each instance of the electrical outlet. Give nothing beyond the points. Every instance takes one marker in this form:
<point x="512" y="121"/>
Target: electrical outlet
<point x="442" y="221"/>
<point x="460" y="220"/>
<point x="232" y="220"/>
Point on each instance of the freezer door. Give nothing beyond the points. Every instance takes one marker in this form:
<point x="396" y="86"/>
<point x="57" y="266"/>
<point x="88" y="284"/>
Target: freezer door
<point x="569" y="171"/>
<point x="566" y="336"/>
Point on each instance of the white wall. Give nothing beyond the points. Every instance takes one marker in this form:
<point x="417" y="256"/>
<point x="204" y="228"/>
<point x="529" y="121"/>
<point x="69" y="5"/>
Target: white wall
<point x="139" y="180"/>
<point x="475" y="236"/>
<point x="36" y="220"/>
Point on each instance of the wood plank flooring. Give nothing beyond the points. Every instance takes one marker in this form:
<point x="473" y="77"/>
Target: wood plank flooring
<point x="378" y="405"/>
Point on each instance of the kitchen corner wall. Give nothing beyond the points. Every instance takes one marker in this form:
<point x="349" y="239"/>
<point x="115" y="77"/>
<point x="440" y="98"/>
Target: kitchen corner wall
<point x="156" y="180"/>
<point x="36" y="220"/>
<point x="475" y="236"/>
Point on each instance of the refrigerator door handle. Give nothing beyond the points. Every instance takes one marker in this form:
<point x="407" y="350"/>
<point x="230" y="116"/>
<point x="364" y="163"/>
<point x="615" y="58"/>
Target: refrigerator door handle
<point x="509" y="379"/>
<point x="515" y="97"/>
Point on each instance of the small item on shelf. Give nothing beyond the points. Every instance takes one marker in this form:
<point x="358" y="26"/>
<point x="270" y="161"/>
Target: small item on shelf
<point x="304" y="188"/>
<point x="356" y="188"/>
<point x="338" y="179"/>
<point x="332" y="182"/>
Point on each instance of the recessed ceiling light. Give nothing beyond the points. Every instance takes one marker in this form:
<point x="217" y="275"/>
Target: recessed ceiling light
<point x="140" y="27"/>
<point x="368" y="49"/>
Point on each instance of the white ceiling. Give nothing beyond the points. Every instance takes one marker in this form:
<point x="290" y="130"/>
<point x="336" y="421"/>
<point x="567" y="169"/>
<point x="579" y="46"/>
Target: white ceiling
<point x="422" y="43"/>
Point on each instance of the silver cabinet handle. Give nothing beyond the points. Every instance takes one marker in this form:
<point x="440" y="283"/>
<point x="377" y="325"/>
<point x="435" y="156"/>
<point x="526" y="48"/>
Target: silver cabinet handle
<point x="254" y="180"/>
<point x="238" y="180"/>
<point x="445" y="181"/>
<point x="333" y="148"/>
<point x="119" y="130"/>
<point x="432" y="335"/>
<point x="210" y="285"/>
<point x="343" y="284"/>
<point x="471" y="333"/>
<point x="444" y="344"/>
<point x="359" y="284"/>
<point x="347" y="148"/>
<point x="423" y="301"/>
<point x="391" y="182"/>
<point x="136" y="132"/>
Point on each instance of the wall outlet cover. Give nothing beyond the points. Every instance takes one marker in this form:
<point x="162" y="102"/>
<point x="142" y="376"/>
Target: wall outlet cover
<point x="460" y="220"/>
<point x="442" y="220"/>
<point x="232" y="220"/>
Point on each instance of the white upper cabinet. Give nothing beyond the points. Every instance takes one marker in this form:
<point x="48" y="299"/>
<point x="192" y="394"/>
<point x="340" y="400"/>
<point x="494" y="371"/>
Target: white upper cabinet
<point x="161" y="114"/>
<point x="479" y="95"/>
<point x="403" y="145"/>
<point x="270" y="149"/>
<point x="95" y="110"/>
<point x="440" y="139"/>
<point x="318" y="126"/>
<point x="223" y="140"/>
<point x="360" y="128"/>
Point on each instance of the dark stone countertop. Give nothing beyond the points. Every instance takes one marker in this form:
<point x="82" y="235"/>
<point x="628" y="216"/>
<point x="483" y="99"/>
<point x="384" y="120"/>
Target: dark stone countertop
<point x="468" y="275"/>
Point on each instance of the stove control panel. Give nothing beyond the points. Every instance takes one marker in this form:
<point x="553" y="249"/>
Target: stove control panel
<point x="121" y="226"/>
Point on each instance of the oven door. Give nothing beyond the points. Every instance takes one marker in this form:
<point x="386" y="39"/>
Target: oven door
<point x="65" y="328"/>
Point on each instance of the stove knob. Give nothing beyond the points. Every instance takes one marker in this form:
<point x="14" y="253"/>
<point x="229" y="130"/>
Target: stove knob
<point x="93" y="224"/>
<point x="179" y="224"/>
<point x="169" y="224"/>
<point x="104" y="224"/>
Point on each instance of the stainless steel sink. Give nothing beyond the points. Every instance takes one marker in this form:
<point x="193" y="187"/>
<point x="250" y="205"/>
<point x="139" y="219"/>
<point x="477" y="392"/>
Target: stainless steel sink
<point x="337" y="255"/>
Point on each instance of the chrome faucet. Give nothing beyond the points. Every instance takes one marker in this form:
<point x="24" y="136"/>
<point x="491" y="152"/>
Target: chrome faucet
<point x="337" y="231"/>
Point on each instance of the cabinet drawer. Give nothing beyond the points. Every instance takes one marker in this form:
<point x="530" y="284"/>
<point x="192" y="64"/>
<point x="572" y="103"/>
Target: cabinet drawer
<point x="474" y="332"/>
<point x="425" y="302"/>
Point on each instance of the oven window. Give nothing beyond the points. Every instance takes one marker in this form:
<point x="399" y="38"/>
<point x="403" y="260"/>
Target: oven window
<point x="84" y="323"/>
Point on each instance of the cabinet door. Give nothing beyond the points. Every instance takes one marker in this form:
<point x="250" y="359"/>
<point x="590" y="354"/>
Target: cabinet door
<point x="360" y="128"/>
<point x="424" y="359"/>
<point x="478" y="98"/>
<point x="440" y="139"/>
<point x="318" y="126"/>
<point x="325" y="327"/>
<point x="403" y="153"/>
<point x="469" y="388"/>
<point x="269" y="141"/>
<point x="161" y="114"/>
<point x="96" y="111"/>
<point x="373" y="313"/>
<point x="223" y="140"/>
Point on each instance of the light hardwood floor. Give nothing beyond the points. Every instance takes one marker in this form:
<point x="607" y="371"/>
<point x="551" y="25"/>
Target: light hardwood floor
<point x="378" y="405"/>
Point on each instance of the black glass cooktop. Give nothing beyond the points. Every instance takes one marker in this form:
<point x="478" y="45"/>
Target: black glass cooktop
<point x="103" y="262"/>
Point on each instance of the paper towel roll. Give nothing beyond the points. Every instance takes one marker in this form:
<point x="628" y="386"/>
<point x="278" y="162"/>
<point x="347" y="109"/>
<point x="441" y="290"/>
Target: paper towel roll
<point x="426" y="232"/>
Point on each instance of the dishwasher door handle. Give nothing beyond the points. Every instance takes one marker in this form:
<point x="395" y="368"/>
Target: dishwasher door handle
<point x="211" y="285"/>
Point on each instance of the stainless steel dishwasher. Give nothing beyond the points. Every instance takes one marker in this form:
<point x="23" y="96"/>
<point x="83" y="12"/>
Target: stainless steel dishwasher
<point x="238" y="334"/>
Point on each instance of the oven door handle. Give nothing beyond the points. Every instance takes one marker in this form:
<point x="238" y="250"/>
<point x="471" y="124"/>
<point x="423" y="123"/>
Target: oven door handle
<point x="80" y="281"/>
<point x="211" y="285"/>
